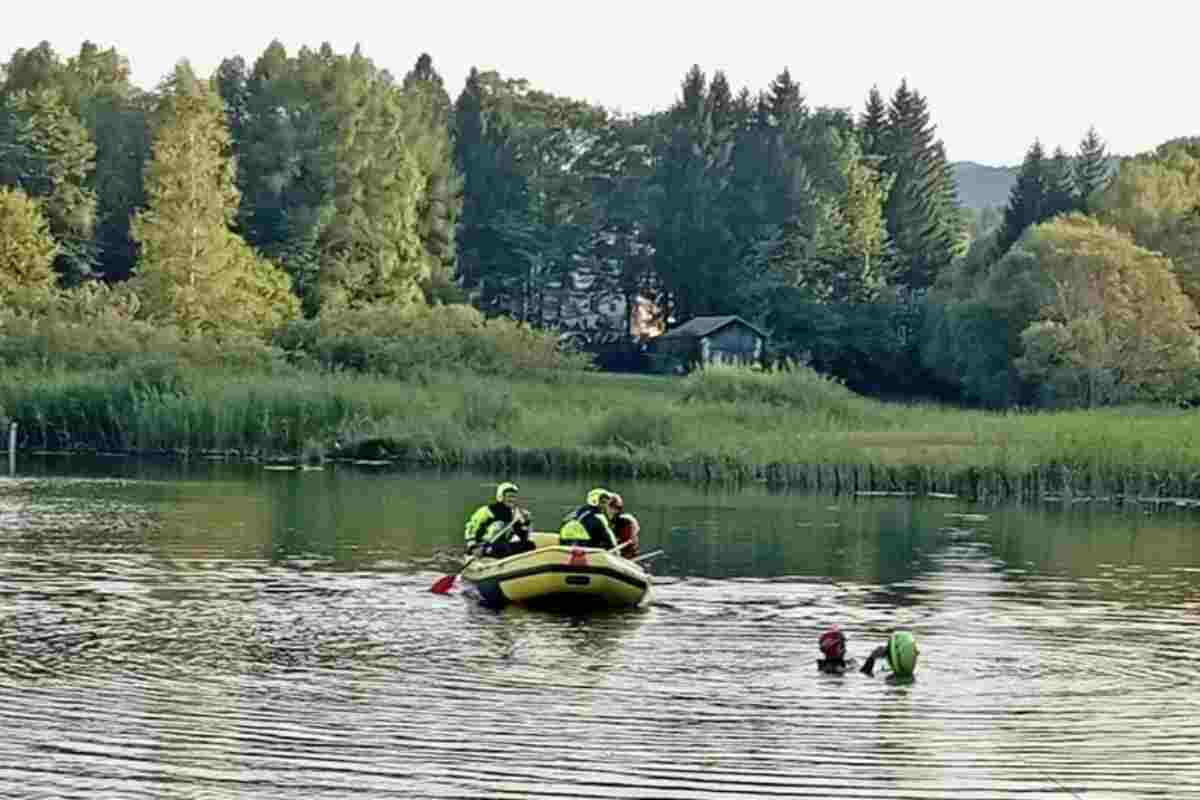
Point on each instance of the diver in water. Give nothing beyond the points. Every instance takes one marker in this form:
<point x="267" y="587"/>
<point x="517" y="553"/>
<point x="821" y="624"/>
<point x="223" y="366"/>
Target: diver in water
<point x="833" y="648"/>
<point x="900" y="654"/>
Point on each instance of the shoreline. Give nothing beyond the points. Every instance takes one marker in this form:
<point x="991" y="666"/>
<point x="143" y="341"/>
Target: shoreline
<point x="1050" y="484"/>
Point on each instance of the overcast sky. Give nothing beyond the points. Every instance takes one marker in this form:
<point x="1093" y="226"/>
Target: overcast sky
<point x="996" y="74"/>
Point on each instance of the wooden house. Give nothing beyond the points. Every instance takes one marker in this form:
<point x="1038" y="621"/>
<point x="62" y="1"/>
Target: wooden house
<point x="708" y="340"/>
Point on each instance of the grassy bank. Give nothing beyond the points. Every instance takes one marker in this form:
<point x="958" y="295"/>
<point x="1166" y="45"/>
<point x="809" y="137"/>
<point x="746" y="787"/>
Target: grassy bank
<point x="789" y="427"/>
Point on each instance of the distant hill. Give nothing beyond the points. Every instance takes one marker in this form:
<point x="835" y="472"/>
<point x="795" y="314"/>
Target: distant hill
<point x="980" y="186"/>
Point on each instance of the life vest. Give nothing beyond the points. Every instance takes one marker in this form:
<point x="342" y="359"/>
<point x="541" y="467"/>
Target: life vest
<point x="588" y="525"/>
<point x="626" y="527"/>
<point x="486" y="522"/>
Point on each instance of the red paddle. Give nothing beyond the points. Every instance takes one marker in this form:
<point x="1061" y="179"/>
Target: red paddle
<point x="444" y="584"/>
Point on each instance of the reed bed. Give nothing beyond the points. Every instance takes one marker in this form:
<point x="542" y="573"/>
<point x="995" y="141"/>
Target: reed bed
<point x="787" y="426"/>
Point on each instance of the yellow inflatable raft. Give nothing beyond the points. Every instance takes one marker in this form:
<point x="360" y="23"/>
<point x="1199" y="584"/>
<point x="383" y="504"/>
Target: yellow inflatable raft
<point x="554" y="574"/>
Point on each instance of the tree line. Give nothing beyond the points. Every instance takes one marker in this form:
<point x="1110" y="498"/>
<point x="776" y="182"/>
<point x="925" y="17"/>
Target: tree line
<point x="304" y="185"/>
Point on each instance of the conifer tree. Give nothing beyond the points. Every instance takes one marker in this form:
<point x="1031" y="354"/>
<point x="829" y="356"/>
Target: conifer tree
<point x="1060" y="185"/>
<point x="27" y="249"/>
<point x="99" y="91"/>
<point x="872" y="126"/>
<point x="1092" y="171"/>
<point x="922" y="214"/>
<point x="690" y="232"/>
<point x="95" y="89"/>
<point x="371" y="251"/>
<point x="427" y="129"/>
<point x="48" y="154"/>
<point x="1027" y="202"/>
<point x="193" y="270"/>
<point x="496" y="193"/>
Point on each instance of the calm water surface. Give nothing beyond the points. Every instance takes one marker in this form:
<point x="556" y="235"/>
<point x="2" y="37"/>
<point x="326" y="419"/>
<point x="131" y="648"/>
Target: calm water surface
<point x="220" y="631"/>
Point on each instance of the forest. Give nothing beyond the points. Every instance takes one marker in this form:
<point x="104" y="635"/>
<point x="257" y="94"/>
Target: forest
<point x="312" y="209"/>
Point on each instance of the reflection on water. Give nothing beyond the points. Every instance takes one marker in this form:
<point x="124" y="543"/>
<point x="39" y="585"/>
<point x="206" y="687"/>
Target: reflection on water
<point x="224" y="631"/>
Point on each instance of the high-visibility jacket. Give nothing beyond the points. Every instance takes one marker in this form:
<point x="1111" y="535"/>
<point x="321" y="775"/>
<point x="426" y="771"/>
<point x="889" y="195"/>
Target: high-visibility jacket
<point x="488" y="521"/>
<point x="588" y="527"/>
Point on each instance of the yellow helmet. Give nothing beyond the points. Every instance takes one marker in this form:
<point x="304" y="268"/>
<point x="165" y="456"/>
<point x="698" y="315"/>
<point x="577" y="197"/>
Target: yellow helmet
<point x="598" y="497"/>
<point x="506" y="488"/>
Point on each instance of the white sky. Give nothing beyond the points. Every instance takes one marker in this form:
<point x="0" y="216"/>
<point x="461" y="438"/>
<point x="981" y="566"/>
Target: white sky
<point x="996" y="74"/>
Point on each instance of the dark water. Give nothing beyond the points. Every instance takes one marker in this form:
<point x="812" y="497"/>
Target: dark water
<point x="231" y="632"/>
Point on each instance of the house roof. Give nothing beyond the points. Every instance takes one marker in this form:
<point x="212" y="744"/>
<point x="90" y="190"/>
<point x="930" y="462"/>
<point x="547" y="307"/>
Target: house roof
<point x="699" y="327"/>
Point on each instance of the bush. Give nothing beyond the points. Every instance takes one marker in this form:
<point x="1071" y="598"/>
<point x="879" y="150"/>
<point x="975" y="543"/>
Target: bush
<point x="486" y="408"/>
<point x="94" y="327"/>
<point x="635" y="429"/>
<point x="405" y="342"/>
<point x="788" y="385"/>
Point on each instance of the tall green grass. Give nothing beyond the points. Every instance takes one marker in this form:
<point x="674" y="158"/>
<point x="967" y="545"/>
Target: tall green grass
<point x="719" y="423"/>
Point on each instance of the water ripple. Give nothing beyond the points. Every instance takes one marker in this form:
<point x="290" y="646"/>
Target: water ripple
<point x="210" y="669"/>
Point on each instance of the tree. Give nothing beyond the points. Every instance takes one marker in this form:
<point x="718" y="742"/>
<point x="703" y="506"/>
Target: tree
<point x="336" y="166"/>
<point x="36" y="68"/>
<point x="1155" y="198"/>
<point x="95" y="89"/>
<point x="194" y="271"/>
<point x="284" y="158"/>
<point x="1060" y="185"/>
<point x="371" y="251"/>
<point x="865" y="231"/>
<point x="689" y="231"/>
<point x="98" y="90"/>
<point x="49" y="155"/>
<point x="27" y="250"/>
<point x="527" y="207"/>
<point x="1027" y="202"/>
<point x="1113" y="324"/>
<point x="427" y="131"/>
<point x="1091" y="169"/>
<point x="872" y="126"/>
<point x="922" y="208"/>
<point x="618" y="169"/>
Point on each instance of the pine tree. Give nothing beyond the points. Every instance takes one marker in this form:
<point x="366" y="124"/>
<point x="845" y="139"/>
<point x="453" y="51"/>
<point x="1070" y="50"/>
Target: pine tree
<point x="496" y="194"/>
<point x="1092" y="171"/>
<point x="690" y="229"/>
<point x="194" y="271"/>
<point x="872" y="126"/>
<point x="1027" y="202"/>
<point x="751" y="172"/>
<point x="788" y="108"/>
<point x="922" y="209"/>
<point x="1060" y="185"/>
<point x="721" y="106"/>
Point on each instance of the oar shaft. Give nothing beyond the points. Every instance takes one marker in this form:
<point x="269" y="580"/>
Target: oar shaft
<point x="647" y="555"/>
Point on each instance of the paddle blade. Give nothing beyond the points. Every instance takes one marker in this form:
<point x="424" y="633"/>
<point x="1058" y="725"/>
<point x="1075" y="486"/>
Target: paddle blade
<point x="443" y="584"/>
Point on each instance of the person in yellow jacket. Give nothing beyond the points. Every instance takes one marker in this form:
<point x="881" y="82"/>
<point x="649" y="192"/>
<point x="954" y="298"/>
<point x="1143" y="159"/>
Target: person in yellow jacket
<point x="588" y="526"/>
<point x="500" y="528"/>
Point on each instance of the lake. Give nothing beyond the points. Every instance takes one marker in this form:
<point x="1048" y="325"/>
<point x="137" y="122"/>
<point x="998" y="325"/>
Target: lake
<point x="212" y="630"/>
